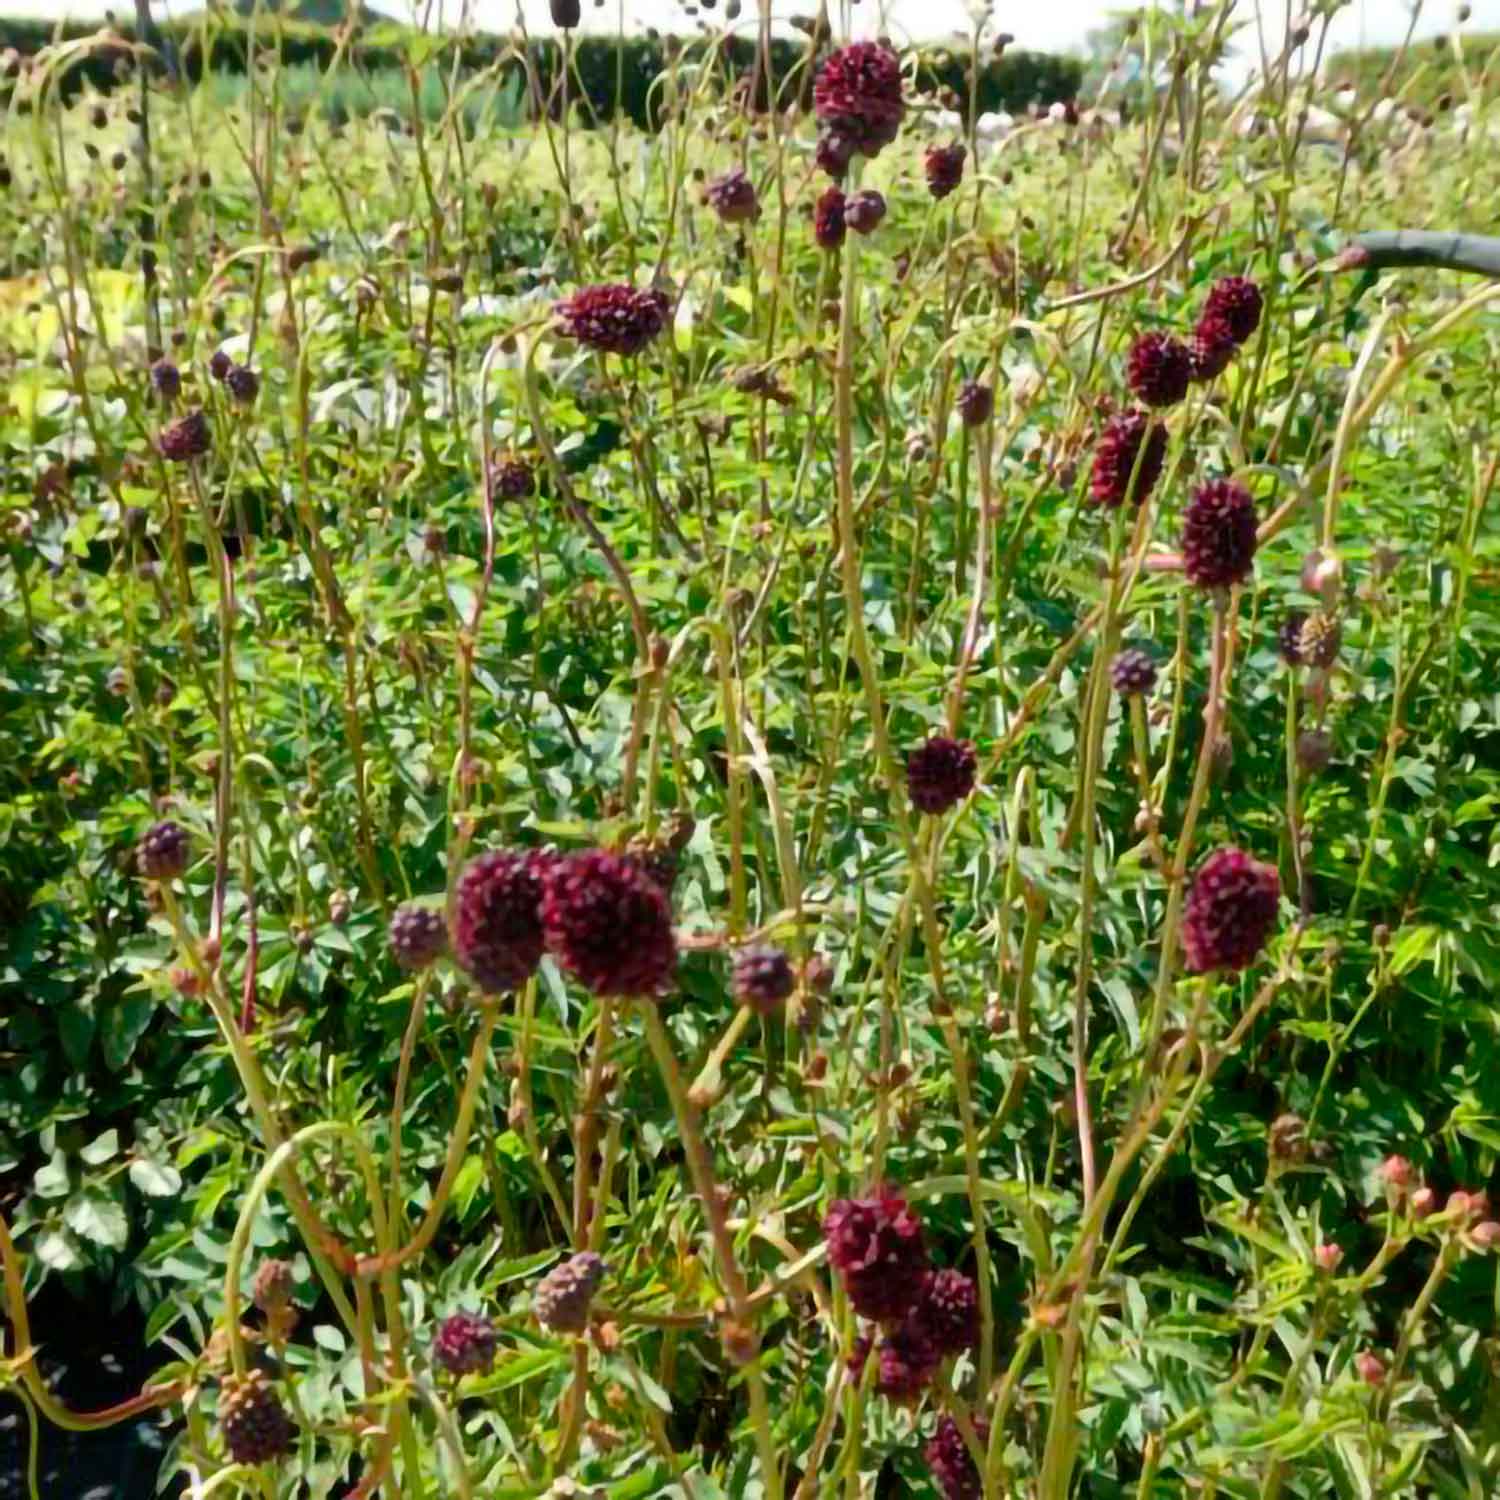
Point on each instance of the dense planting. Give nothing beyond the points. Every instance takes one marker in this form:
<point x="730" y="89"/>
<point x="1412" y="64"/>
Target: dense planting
<point x="805" y="805"/>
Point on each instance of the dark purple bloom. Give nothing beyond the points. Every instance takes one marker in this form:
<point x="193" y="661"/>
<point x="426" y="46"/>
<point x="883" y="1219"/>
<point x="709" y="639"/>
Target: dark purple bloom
<point x="940" y="773"/>
<point x="252" y="1419"/>
<point x="1213" y="346"/>
<point x="166" y="379"/>
<point x="511" y="478"/>
<point x="418" y="935"/>
<point x="1133" y="672"/>
<point x="465" y="1344"/>
<point x="975" y="402"/>
<point x="186" y="438"/>
<point x="947" y="1311"/>
<point x="864" y="210"/>
<point x="1160" y="369"/>
<point x="563" y="1296"/>
<point x="1116" y="455"/>
<point x="944" y="166"/>
<point x="497" y="923"/>
<point x="1289" y="637"/>
<point x="858" y="95"/>
<point x="834" y="153"/>
<point x="763" y="977"/>
<point x="614" y="318"/>
<point x="828" y="219"/>
<point x="952" y="1464"/>
<point x="1230" y="911"/>
<point x="219" y="364"/>
<point x="876" y="1246"/>
<point x="732" y="197"/>
<point x="608" y="924"/>
<point x="1237" y="300"/>
<point x="243" y="384"/>
<point x="1219" y="535"/>
<point x="163" y="851"/>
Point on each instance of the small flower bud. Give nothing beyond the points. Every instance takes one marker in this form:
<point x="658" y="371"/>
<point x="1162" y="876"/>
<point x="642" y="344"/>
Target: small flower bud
<point x="1397" y="1173"/>
<point x="1423" y="1202"/>
<point x="1370" y="1366"/>
<point x="1328" y="1257"/>
<point x="1485" y="1235"/>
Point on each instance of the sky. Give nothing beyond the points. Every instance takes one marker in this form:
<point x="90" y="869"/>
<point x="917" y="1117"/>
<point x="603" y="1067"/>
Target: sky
<point x="1047" y="25"/>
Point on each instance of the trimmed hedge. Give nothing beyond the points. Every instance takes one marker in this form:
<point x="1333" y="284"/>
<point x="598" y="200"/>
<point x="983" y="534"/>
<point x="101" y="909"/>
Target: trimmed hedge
<point x="610" y="75"/>
<point x="1429" y="76"/>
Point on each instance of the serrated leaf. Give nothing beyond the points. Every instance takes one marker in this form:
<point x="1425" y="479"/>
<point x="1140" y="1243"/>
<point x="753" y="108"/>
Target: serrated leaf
<point x="97" y="1218"/>
<point x="154" y="1178"/>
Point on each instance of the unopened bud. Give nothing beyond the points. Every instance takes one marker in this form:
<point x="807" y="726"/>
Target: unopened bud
<point x="1370" y="1366"/>
<point x="1423" y="1202"/>
<point x="1328" y="1257"/>
<point x="1396" y="1172"/>
<point x="1485" y="1235"/>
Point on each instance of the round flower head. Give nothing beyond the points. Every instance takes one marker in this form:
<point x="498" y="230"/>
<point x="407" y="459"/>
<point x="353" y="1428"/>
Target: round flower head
<point x="465" y="1344"/>
<point x="418" y="935"/>
<point x="273" y="1285"/>
<point x="1212" y="347"/>
<point x="947" y="1311"/>
<point x="1237" y="300"/>
<point x="163" y="851"/>
<point x="863" y="211"/>
<point x="906" y="1363"/>
<point x="614" y="318"/>
<point x="876" y="1246"/>
<point x="1318" y="643"/>
<point x="828" y="219"/>
<point x="497" y="925"/>
<point x="1133" y="672"/>
<point x="1229" y="912"/>
<point x="952" y="1464"/>
<point x="243" y="384"/>
<point x="975" y="402"/>
<point x="763" y="977"/>
<point x="255" y="1425"/>
<point x="186" y="438"/>
<point x="563" y="1296"/>
<point x="1159" y="369"/>
<point x="1289" y="637"/>
<point x="1218" y="535"/>
<point x="833" y="154"/>
<point x="1116" y="455"/>
<point x="1314" y="751"/>
<point x="166" y="379"/>
<point x="219" y="364"/>
<point x="940" y="773"/>
<point x="858" y="95"/>
<point x="608" y="924"/>
<point x="944" y="166"/>
<point x="511" y="478"/>
<point x="732" y="197"/>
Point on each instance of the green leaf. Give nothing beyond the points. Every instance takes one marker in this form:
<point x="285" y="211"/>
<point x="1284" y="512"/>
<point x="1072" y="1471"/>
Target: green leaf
<point x="57" y="1251"/>
<point x="101" y="1149"/>
<point x="154" y="1178"/>
<point x="121" y="1026"/>
<point x="97" y="1218"/>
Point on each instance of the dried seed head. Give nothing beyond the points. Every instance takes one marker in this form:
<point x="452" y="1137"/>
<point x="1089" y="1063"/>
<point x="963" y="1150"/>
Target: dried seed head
<point x="271" y="1291"/>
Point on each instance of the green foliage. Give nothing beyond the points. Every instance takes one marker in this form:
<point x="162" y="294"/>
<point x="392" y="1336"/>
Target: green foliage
<point x="762" y="561"/>
<point x="1432" y="74"/>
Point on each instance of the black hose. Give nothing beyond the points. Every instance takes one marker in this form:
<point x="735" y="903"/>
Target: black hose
<point x="1390" y="249"/>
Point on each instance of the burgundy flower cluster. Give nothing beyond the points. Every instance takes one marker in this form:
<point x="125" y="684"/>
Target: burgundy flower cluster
<point x="732" y="196"/>
<point x="600" y="915"/>
<point x="876" y="1246"/>
<point x="614" y="318"/>
<point x="1230" y="911"/>
<point x="858" y="102"/>
<point x="940" y="773"/>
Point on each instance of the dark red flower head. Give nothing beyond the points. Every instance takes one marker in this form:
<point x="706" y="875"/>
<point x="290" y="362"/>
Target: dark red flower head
<point x="940" y="773"/>
<point x="465" y="1344"/>
<point x="906" y="1363"/>
<point x="243" y="384"/>
<point x="1116" y="454"/>
<point x="1212" y="347"/>
<point x="732" y="197"/>
<point x="947" y="1311"/>
<point x="166" y="379"/>
<point x="1318" y="643"/>
<point x="876" y="1246"/>
<point x="1289" y="637"/>
<point x="186" y="438"/>
<point x="834" y="153"/>
<point x="252" y="1419"/>
<point x="418" y="935"/>
<point x="944" y="166"/>
<point x="163" y="851"/>
<point x="614" y="318"/>
<point x="1133" y="672"/>
<point x="1230" y="911"/>
<point x="1218" y="535"/>
<point x="1160" y="369"/>
<point x="763" y="977"/>
<point x="1237" y="300"/>
<point x="564" y="1295"/>
<point x="608" y="924"/>
<point x="863" y="211"/>
<point x="511" y="478"/>
<point x="497" y="923"/>
<point x="975" y="402"/>
<point x="828" y="219"/>
<point x="858" y="95"/>
<point x="219" y="364"/>
<point x="952" y="1464"/>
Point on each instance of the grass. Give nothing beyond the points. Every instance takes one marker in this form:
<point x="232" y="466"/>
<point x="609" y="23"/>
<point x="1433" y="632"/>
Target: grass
<point x="763" y="561"/>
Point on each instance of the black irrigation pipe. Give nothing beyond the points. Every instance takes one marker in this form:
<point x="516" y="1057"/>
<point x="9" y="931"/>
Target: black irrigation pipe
<point x="1390" y="249"/>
